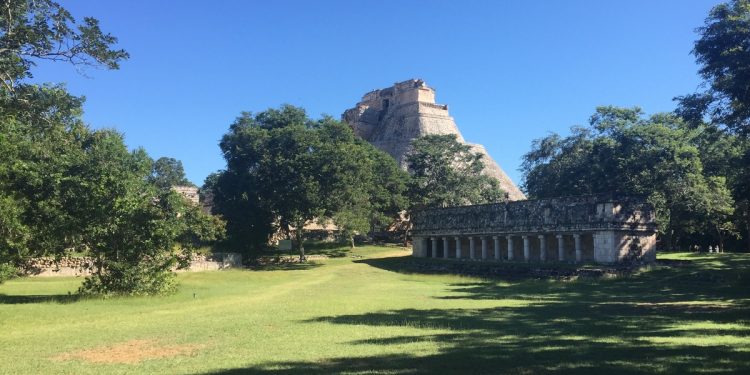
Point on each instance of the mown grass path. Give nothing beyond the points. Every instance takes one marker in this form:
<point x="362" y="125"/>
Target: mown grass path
<point x="364" y="314"/>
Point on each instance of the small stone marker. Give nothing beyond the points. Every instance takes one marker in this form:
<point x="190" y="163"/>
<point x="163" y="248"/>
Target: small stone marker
<point x="285" y="245"/>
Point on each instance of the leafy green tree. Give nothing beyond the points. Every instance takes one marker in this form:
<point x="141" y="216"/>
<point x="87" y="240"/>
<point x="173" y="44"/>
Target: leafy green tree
<point x="167" y="172"/>
<point x="284" y="170"/>
<point x="723" y="54"/>
<point x="388" y="190"/>
<point x="38" y="152"/>
<point x="65" y="187"/>
<point x="365" y="186"/>
<point x="273" y="154"/>
<point x="36" y="120"/>
<point x="718" y="207"/>
<point x="446" y="173"/>
<point x="32" y="30"/>
<point x="625" y="152"/>
<point x="70" y="188"/>
<point x="722" y="110"/>
<point x="235" y="197"/>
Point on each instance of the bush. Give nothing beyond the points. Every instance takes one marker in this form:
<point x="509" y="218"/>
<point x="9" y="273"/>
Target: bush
<point x="138" y="279"/>
<point x="7" y="271"/>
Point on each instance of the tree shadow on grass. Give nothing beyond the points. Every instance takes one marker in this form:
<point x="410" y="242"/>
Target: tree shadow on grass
<point x="6" y="299"/>
<point x="506" y="271"/>
<point x="286" y="266"/>
<point x="328" y="249"/>
<point x="668" y="320"/>
<point x="543" y="338"/>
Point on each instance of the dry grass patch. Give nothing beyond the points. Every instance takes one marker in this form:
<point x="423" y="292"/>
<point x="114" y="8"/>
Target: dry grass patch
<point x="130" y="352"/>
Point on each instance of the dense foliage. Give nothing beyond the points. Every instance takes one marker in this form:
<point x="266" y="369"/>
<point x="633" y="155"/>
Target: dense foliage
<point x="722" y="110"/>
<point x="623" y="151"/>
<point x="693" y="165"/>
<point x="723" y="54"/>
<point x="65" y="187"/>
<point x="284" y="170"/>
<point x="167" y="172"/>
<point x="446" y="172"/>
<point x="33" y="30"/>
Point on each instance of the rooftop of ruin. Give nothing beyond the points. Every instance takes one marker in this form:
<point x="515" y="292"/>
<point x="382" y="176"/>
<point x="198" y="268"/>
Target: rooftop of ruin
<point x="575" y="214"/>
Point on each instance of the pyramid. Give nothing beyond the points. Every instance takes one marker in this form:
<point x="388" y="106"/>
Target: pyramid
<point x="391" y="118"/>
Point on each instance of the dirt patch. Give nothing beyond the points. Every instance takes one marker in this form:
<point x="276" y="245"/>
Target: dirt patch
<point x="130" y="352"/>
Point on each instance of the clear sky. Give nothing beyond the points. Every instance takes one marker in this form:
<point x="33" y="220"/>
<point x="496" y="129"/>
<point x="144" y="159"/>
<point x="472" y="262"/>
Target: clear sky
<point x="511" y="71"/>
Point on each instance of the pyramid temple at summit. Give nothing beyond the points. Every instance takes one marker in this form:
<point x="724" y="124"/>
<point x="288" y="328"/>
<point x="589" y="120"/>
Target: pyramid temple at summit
<point x="391" y="118"/>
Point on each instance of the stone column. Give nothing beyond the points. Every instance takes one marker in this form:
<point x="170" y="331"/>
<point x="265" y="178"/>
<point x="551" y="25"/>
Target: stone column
<point x="579" y="249"/>
<point x="484" y="248"/>
<point x="526" y="251"/>
<point x="560" y="248"/>
<point x="542" y="248"/>
<point x="434" y="246"/>
<point x="496" y="241"/>
<point x="445" y="247"/>
<point x="510" y="246"/>
<point x="458" y="247"/>
<point x="472" y="248"/>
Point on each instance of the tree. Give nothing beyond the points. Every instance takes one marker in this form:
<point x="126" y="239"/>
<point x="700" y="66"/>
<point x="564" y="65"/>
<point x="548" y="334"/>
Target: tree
<point x="273" y="154"/>
<point x="284" y="170"/>
<point x="622" y="151"/>
<point x="718" y="206"/>
<point x="167" y="172"/>
<point x="365" y="186"/>
<point x="66" y="187"/>
<point x="32" y="30"/>
<point x="446" y="173"/>
<point x="723" y="54"/>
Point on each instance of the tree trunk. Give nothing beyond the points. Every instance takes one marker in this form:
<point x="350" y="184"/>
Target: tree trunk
<point x="721" y="239"/>
<point x="298" y="231"/>
<point x="669" y="238"/>
<point x="351" y="241"/>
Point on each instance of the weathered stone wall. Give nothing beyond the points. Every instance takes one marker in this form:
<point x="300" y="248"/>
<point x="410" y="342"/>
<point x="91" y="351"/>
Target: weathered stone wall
<point x="543" y="215"/>
<point x="81" y="266"/>
<point x="189" y="192"/>
<point x="603" y="229"/>
<point x="391" y="118"/>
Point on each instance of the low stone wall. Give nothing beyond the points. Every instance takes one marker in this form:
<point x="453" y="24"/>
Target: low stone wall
<point x="213" y="262"/>
<point x="81" y="266"/>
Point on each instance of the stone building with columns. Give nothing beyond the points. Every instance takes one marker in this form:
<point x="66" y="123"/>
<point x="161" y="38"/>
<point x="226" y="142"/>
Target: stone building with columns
<point x="598" y="228"/>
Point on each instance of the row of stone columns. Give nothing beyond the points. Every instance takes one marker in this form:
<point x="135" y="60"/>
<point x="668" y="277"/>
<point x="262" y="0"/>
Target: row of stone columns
<point x="496" y="240"/>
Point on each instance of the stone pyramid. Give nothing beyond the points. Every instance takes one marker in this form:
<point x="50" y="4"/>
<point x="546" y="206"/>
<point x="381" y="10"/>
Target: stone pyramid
<point x="390" y="118"/>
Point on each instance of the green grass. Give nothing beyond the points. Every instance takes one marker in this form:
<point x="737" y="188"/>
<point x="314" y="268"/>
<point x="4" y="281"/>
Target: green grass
<point x="366" y="314"/>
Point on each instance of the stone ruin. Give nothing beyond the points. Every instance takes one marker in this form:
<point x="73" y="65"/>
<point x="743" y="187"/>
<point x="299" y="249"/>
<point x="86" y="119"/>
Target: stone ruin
<point x="598" y="228"/>
<point x="391" y="118"/>
<point x="188" y="192"/>
<point x="84" y="266"/>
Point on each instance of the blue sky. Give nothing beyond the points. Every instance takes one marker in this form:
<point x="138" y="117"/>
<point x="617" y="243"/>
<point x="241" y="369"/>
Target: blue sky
<point x="511" y="71"/>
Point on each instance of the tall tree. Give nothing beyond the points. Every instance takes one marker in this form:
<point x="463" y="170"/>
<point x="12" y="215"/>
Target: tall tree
<point x="64" y="186"/>
<point x="272" y="152"/>
<point x="723" y="54"/>
<point x="285" y="169"/>
<point x="446" y="172"/>
<point x="365" y="186"/>
<point x="625" y="152"/>
<point x="167" y="172"/>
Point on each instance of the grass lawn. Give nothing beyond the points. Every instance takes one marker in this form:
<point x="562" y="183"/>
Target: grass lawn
<point x="363" y="314"/>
